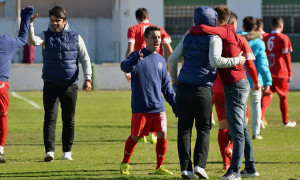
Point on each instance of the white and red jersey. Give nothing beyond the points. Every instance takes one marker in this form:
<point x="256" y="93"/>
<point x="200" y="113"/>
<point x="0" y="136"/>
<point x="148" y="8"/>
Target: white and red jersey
<point x="277" y="45"/>
<point x="136" y="35"/>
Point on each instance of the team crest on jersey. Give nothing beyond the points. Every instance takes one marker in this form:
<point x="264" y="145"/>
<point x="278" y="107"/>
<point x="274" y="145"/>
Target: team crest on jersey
<point x="159" y="65"/>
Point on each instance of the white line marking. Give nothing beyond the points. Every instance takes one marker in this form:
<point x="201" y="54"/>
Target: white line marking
<point x="14" y="94"/>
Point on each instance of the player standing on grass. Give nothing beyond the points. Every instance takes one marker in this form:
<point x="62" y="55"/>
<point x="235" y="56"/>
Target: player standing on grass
<point x="263" y="72"/>
<point x="8" y="45"/>
<point x="149" y="78"/>
<point x="278" y="49"/>
<point x="62" y="49"/>
<point x="136" y="41"/>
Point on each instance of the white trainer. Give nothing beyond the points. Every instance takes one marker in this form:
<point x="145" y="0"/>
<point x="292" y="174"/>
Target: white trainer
<point x="289" y="124"/>
<point x="187" y="175"/>
<point x="67" y="156"/>
<point x="49" y="156"/>
<point x="200" y="172"/>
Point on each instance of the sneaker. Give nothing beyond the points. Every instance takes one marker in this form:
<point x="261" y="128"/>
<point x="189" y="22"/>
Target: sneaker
<point x="289" y="124"/>
<point x="258" y="136"/>
<point x="231" y="176"/>
<point x="2" y="158"/>
<point x="249" y="173"/>
<point x="67" y="156"/>
<point x="187" y="175"/>
<point x="49" y="156"/>
<point x="163" y="171"/>
<point x="152" y="139"/>
<point x="200" y="172"/>
<point x="124" y="168"/>
<point x="143" y="139"/>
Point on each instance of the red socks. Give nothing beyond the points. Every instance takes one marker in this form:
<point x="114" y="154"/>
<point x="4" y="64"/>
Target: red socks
<point x="161" y="150"/>
<point x="129" y="148"/>
<point x="284" y="109"/>
<point x="3" y="129"/>
<point x="223" y="143"/>
<point x="265" y="103"/>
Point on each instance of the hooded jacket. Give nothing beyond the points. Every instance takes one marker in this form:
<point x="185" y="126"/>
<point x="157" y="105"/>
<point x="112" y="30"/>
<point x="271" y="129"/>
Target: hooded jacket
<point x="261" y="62"/>
<point x="196" y="69"/>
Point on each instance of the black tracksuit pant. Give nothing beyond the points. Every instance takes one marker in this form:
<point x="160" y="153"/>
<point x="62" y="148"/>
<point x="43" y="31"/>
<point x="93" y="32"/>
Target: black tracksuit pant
<point x="67" y="96"/>
<point x="194" y="103"/>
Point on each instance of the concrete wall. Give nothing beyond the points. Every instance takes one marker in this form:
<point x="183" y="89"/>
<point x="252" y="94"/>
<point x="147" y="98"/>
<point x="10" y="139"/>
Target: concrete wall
<point x="106" y="77"/>
<point x="245" y="8"/>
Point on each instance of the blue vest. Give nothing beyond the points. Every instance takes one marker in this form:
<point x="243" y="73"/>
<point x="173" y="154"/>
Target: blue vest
<point x="196" y="68"/>
<point x="60" y="57"/>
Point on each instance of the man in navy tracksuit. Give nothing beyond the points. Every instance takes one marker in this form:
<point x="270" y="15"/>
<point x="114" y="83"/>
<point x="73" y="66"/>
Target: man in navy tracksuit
<point x="8" y="45"/>
<point x="62" y="49"/>
<point x="149" y="78"/>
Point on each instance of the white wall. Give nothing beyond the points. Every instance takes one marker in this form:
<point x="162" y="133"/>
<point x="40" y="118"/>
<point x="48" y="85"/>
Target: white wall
<point x="245" y="8"/>
<point x="107" y="76"/>
<point x="124" y="17"/>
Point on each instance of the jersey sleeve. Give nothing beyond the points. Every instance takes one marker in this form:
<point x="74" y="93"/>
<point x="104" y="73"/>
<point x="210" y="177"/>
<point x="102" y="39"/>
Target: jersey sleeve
<point x="209" y="30"/>
<point x="245" y="47"/>
<point x="286" y="45"/>
<point x="165" y="37"/>
<point x="131" y="35"/>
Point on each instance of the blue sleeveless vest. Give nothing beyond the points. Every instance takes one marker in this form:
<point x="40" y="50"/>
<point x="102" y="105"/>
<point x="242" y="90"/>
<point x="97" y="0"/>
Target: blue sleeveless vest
<point x="60" y="57"/>
<point x="196" y="68"/>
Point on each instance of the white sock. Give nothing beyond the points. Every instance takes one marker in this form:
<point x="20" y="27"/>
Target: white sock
<point x="1" y="150"/>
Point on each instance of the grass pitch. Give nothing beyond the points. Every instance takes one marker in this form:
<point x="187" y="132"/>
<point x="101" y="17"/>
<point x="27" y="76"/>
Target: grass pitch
<point x="102" y="127"/>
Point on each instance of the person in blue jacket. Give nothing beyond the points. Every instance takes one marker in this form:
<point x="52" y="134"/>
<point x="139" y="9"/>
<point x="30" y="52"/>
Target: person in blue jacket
<point x="8" y="45"/>
<point x="62" y="50"/>
<point x="263" y="72"/>
<point x="149" y="80"/>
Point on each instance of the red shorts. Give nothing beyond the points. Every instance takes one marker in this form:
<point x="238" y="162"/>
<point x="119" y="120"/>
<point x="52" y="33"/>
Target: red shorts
<point x="4" y="100"/>
<point x="143" y="123"/>
<point x="279" y="85"/>
<point x="218" y="99"/>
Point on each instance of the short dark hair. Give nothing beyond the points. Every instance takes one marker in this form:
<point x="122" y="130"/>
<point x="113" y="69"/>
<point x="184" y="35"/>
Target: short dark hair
<point x="141" y="14"/>
<point x="149" y="29"/>
<point x="232" y="17"/>
<point x="259" y="23"/>
<point x="223" y="13"/>
<point x="249" y="23"/>
<point x="58" y="12"/>
<point x="277" y="21"/>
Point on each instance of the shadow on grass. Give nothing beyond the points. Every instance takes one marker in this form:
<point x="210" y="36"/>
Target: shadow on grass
<point x="79" y="174"/>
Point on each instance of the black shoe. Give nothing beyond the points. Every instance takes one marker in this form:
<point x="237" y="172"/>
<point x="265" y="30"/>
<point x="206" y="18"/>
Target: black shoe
<point x="2" y="158"/>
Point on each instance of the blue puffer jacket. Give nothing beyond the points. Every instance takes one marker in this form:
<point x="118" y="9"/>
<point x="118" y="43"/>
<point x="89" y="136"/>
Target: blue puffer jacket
<point x="261" y="62"/>
<point x="196" y="68"/>
<point x="60" y="57"/>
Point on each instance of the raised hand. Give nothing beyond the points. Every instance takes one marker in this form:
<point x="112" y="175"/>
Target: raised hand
<point x="33" y="18"/>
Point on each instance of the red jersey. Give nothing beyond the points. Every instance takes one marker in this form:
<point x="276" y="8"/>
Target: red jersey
<point x="231" y="48"/>
<point x="136" y="35"/>
<point x="264" y="34"/>
<point x="277" y="46"/>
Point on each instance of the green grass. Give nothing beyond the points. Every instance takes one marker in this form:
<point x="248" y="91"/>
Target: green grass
<point x="102" y="127"/>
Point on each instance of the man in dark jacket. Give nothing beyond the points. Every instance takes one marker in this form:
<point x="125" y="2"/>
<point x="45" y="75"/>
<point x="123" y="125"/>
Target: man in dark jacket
<point x="62" y="49"/>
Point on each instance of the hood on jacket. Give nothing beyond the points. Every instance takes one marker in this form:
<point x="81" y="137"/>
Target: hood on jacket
<point x="252" y="35"/>
<point x="205" y="15"/>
